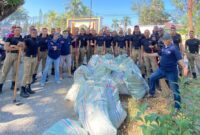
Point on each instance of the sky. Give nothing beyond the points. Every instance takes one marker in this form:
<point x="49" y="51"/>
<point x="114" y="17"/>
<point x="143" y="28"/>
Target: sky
<point x="107" y="9"/>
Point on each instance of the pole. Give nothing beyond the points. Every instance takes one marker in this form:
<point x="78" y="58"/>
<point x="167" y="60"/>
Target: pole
<point x="190" y="8"/>
<point x="16" y="79"/>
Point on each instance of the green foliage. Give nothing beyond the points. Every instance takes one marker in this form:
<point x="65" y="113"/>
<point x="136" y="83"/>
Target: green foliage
<point x="115" y="24"/>
<point x="14" y="2"/>
<point x="185" y="122"/>
<point x="150" y="11"/>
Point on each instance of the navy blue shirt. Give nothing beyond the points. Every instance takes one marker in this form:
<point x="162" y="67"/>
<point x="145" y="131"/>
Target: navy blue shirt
<point x="115" y="40"/>
<point x="121" y="41"/>
<point x="136" y="40"/>
<point x="128" y="39"/>
<point x="177" y="39"/>
<point x="108" y="41"/>
<point x="83" y="39"/>
<point x="32" y="45"/>
<point x="54" y="54"/>
<point x="170" y="56"/>
<point x="65" y="45"/>
<point x="155" y="38"/>
<point x="100" y="40"/>
<point x="43" y="43"/>
<point x="14" y="41"/>
<point x="146" y="42"/>
<point x="193" y="45"/>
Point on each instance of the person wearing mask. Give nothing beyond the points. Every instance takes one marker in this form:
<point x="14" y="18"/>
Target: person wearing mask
<point x="192" y="50"/>
<point x="12" y="46"/>
<point x="31" y="48"/>
<point x="53" y="56"/>
<point x="170" y="58"/>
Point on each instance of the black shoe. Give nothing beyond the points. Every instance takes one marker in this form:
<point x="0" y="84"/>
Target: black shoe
<point x="23" y="92"/>
<point x="52" y="71"/>
<point x="34" y="78"/>
<point x="1" y="86"/>
<point x="29" y="90"/>
<point x="13" y="86"/>
<point x="194" y="75"/>
<point x="151" y="96"/>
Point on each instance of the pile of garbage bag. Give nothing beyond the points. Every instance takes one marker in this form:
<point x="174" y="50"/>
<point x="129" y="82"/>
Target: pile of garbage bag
<point x="96" y="90"/>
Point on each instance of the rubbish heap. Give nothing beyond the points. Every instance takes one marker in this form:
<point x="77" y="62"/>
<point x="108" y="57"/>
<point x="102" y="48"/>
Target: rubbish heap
<point x="95" y="93"/>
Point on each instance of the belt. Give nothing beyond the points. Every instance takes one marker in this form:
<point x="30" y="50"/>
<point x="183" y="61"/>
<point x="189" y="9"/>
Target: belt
<point x="12" y="51"/>
<point x="31" y="56"/>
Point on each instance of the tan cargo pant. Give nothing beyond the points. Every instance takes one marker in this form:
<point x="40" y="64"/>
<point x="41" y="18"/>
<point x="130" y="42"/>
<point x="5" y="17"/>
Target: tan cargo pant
<point x="41" y="57"/>
<point x="29" y="69"/>
<point x="82" y="52"/>
<point x="122" y="51"/>
<point x="100" y="50"/>
<point x="150" y="63"/>
<point x="10" y="61"/>
<point x="109" y="50"/>
<point x="75" y="57"/>
<point x="135" y="55"/>
<point x="194" y="58"/>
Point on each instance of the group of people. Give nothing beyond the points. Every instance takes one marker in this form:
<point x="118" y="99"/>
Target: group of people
<point x="64" y="51"/>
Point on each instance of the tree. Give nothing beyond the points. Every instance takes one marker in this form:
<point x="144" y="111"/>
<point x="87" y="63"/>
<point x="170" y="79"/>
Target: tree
<point x="125" y="22"/>
<point x="115" y="24"/>
<point x="181" y="7"/>
<point x="150" y="11"/>
<point x="77" y="9"/>
<point x="51" y="17"/>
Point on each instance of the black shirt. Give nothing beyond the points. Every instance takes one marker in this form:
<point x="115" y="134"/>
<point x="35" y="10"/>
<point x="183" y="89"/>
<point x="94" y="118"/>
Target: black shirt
<point x="100" y="40"/>
<point x="14" y="41"/>
<point x="155" y="38"/>
<point x="32" y="45"/>
<point x="121" y="41"/>
<point x="27" y="36"/>
<point x="136" y="40"/>
<point x="177" y="39"/>
<point x="83" y="40"/>
<point x="43" y="43"/>
<point x="128" y="39"/>
<point x="146" y="42"/>
<point x="193" y="45"/>
<point x="108" y="41"/>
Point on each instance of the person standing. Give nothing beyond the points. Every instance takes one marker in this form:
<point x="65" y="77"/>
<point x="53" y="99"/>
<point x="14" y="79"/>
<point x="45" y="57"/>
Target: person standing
<point x="42" y="54"/>
<point x="108" y="44"/>
<point x="92" y="43"/>
<point x="54" y="52"/>
<point x="177" y="39"/>
<point x="192" y="50"/>
<point x="12" y="46"/>
<point x="121" y="46"/>
<point x="128" y="38"/>
<point x="148" y="48"/>
<point x="31" y="48"/>
<point x="170" y="58"/>
<point x="100" y="43"/>
<point x="83" y="46"/>
<point x="75" y="50"/>
<point x="66" y="48"/>
<point x="114" y="43"/>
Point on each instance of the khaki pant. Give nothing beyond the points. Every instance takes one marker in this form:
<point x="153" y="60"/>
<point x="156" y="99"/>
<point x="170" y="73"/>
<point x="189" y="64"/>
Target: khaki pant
<point x="29" y="69"/>
<point x="122" y="51"/>
<point x="100" y="50"/>
<point x="192" y="59"/>
<point x="75" y="57"/>
<point x="82" y="52"/>
<point x="135" y="55"/>
<point x="10" y="61"/>
<point x="109" y="50"/>
<point x="150" y="63"/>
<point x="90" y="52"/>
<point x="41" y="57"/>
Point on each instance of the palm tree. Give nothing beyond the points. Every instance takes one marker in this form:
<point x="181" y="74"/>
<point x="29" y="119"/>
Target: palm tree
<point x="51" y="17"/>
<point x="77" y="9"/>
<point x="125" y="22"/>
<point x="115" y="24"/>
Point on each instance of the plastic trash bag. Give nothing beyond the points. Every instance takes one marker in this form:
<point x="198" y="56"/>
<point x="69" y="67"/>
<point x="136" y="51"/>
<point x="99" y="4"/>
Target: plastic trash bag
<point x="93" y="112"/>
<point x="66" y="127"/>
